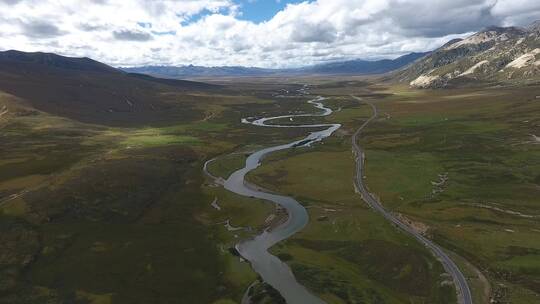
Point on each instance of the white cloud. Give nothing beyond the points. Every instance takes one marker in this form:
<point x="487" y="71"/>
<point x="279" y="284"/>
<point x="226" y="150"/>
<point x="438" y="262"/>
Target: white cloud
<point x="135" y="32"/>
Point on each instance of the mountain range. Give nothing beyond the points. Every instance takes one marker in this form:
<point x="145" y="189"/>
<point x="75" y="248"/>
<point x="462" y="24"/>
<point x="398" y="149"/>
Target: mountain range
<point x="495" y="55"/>
<point x="342" y="67"/>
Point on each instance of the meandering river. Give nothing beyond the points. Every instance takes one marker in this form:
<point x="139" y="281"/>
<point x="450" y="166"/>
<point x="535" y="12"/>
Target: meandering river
<point x="272" y="270"/>
<point x="255" y="250"/>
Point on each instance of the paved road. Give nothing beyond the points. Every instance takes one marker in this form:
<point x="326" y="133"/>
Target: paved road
<point x="464" y="293"/>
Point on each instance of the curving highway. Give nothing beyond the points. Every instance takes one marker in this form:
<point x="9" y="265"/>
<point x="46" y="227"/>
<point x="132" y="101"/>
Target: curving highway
<point x="462" y="288"/>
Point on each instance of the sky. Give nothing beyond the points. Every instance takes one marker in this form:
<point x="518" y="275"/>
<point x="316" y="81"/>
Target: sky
<point x="262" y="33"/>
<point x="262" y="10"/>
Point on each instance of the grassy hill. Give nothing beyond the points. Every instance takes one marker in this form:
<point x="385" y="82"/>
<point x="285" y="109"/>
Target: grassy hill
<point x="89" y="91"/>
<point x="103" y="201"/>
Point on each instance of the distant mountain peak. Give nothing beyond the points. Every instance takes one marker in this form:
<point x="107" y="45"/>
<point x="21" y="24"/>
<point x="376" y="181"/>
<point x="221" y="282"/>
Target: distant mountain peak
<point x="356" y="66"/>
<point x="490" y="34"/>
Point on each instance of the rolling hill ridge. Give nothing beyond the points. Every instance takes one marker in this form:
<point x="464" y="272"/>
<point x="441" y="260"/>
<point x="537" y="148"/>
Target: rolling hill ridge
<point x="92" y="92"/>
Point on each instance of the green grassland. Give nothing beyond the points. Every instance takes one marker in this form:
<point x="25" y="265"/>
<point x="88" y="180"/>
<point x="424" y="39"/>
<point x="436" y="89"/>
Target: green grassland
<point x="99" y="214"/>
<point x="225" y="165"/>
<point x="347" y="253"/>
<point x="93" y="213"/>
<point x="487" y="210"/>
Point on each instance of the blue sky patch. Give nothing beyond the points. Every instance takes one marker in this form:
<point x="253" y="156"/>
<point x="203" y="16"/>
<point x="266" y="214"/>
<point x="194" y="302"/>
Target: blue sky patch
<point x="262" y="10"/>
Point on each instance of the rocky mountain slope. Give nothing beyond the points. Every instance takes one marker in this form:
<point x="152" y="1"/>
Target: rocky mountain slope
<point x="495" y="55"/>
